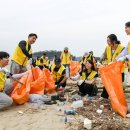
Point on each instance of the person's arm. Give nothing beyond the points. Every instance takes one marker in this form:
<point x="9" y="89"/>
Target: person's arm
<point x="64" y="79"/>
<point x="22" y="45"/>
<point x="75" y="77"/>
<point x="103" y="55"/>
<point x="18" y="76"/>
<point x="90" y="81"/>
<point x="122" y="54"/>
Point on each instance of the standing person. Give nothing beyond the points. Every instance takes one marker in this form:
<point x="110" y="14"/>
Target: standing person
<point x="113" y="49"/>
<point x="22" y="54"/>
<point x="87" y="80"/>
<point x="125" y="54"/>
<point x="66" y="59"/>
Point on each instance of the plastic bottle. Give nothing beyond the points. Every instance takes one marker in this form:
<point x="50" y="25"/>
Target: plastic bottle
<point x="66" y="119"/>
<point x="77" y="104"/>
<point x="70" y="112"/>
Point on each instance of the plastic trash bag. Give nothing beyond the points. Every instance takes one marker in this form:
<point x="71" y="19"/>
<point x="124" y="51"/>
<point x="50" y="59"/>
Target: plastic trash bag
<point x="112" y="80"/>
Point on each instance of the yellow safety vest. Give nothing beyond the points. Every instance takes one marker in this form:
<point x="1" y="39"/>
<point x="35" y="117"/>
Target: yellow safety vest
<point x="129" y="52"/>
<point x="46" y="62"/>
<point x="86" y="59"/>
<point x="19" y="57"/>
<point x="66" y="58"/>
<point x="57" y="75"/>
<point x="90" y="77"/>
<point x="2" y="80"/>
<point x="111" y="58"/>
<point x="38" y="63"/>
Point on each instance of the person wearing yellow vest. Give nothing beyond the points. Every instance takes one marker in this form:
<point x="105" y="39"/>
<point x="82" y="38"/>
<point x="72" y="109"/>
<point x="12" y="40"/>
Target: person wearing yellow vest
<point x="46" y="62"/>
<point x="6" y="87"/>
<point x="39" y="62"/>
<point x="125" y="54"/>
<point x="22" y="54"/>
<point x="113" y="50"/>
<point x="86" y="80"/>
<point x="66" y="57"/>
<point x="58" y="73"/>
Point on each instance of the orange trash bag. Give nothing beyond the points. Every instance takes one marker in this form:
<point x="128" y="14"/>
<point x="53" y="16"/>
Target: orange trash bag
<point x="74" y="67"/>
<point x="49" y="81"/>
<point x="20" y="93"/>
<point x="112" y="80"/>
<point x="38" y="82"/>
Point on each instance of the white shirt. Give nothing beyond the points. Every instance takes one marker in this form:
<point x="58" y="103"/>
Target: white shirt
<point x="123" y="55"/>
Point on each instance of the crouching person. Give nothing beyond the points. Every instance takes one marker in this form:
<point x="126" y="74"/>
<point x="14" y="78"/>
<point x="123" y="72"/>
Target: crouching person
<point x="87" y="80"/>
<point x="59" y="73"/>
<point x="6" y="87"/>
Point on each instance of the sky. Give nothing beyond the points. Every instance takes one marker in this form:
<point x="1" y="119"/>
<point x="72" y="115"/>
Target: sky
<point x="81" y="25"/>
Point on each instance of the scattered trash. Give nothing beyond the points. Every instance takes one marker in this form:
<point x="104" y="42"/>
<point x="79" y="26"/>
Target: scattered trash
<point x="70" y="112"/>
<point x="101" y="106"/>
<point x="76" y="97"/>
<point x="87" y="124"/>
<point x="77" y="104"/>
<point x="58" y="108"/>
<point x="20" y="112"/>
<point x="99" y="111"/>
<point x="90" y="98"/>
<point x="66" y="119"/>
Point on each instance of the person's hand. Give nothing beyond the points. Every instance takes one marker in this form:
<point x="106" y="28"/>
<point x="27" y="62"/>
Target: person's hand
<point x="122" y="58"/>
<point x="80" y="82"/>
<point x="114" y="60"/>
<point x="8" y="74"/>
<point x="30" y="61"/>
<point x="37" y="67"/>
<point x="72" y="78"/>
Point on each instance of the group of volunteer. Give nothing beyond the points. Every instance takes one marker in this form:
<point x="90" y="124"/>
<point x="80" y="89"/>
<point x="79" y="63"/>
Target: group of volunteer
<point x="60" y="67"/>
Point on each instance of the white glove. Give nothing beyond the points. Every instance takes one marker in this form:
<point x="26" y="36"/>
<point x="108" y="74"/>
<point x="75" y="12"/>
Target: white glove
<point x="30" y="61"/>
<point x="37" y="67"/>
<point x="80" y="82"/>
<point x="121" y="58"/>
<point x="128" y="57"/>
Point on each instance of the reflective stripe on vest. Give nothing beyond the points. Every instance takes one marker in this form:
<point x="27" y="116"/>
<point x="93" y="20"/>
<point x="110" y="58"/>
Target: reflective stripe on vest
<point x="111" y="58"/>
<point x="19" y="57"/>
<point x="2" y="80"/>
<point x="90" y="77"/>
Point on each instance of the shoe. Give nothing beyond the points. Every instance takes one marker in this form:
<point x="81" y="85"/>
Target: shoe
<point x="50" y="102"/>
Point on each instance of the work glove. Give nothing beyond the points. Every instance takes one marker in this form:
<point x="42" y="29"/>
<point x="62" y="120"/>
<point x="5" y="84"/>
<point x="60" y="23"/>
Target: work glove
<point x="30" y="61"/>
<point x="80" y="82"/>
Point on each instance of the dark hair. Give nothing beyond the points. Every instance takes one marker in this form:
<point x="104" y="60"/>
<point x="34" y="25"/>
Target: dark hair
<point x="3" y="55"/>
<point x="113" y="38"/>
<point x="127" y="24"/>
<point x="44" y="54"/>
<point x="32" y="34"/>
<point x="91" y="62"/>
